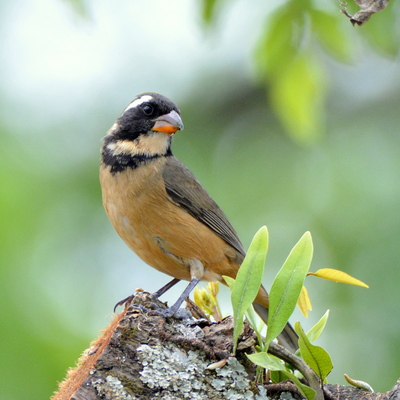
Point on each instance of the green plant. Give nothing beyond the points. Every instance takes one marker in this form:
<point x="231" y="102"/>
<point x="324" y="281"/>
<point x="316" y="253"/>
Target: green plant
<point x="313" y="362"/>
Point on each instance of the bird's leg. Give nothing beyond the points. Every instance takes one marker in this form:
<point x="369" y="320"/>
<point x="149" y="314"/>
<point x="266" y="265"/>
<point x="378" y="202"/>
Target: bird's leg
<point x="155" y="295"/>
<point x="196" y="273"/>
<point x="175" y="307"/>
<point x="166" y="287"/>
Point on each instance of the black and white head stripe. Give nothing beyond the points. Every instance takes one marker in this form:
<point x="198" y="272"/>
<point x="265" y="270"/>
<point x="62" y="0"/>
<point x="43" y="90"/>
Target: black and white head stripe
<point x="135" y="137"/>
<point x="138" y="101"/>
<point x="140" y="116"/>
<point x="160" y="104"/>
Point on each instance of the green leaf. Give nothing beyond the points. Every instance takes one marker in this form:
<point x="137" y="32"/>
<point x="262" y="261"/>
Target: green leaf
<point x="294" y="79"/>
<point x="379" y="31"/>
<point x="248" y="280"/>
<point x="277" y="376"/>
<point x="287" y="286"/>
<point x="208" y="10"/>
<point x="79" y="7"/>
<point x="297" y="94"/>
<point x="315" y="356"/>
<point x="331" y="34"/>
<point x="277" y="45"/>
<point x="256" y="323"/>
<point x="229" y="281"/>
<point x="305" y="390"/>
<point x="316" y="330"/>
<point x="267" y="361"/>
<point x="252" y="317"/>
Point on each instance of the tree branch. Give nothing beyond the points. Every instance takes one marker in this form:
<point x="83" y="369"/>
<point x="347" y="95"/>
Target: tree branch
<point x="144" y="356"/>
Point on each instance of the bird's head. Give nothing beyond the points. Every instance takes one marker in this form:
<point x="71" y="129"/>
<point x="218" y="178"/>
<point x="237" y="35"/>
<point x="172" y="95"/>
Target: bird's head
<point x="145" y="127"/>
<point x="147" y="113"/>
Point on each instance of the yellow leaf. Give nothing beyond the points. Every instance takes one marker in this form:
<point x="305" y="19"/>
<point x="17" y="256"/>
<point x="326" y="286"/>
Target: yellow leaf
<point x="304" y="302"/>
<point x="198" y="296"/>
<point x="206" y="299"/>
<point x="337" y="276"/>
<point x="359" y="384"/>
<point x="213" y="288"/>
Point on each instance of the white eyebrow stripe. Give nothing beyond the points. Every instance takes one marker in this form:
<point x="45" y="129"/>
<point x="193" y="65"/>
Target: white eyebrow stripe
<point x="138" y="101"/>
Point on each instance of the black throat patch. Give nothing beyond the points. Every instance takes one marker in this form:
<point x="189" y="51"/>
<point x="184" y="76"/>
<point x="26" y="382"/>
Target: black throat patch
<point x="121" y="162"/>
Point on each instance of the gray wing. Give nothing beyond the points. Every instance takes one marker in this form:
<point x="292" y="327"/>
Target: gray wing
<point x="186" y="191"/>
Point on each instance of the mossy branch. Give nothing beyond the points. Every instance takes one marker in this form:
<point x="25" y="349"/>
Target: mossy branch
<point x="143" y="356"/>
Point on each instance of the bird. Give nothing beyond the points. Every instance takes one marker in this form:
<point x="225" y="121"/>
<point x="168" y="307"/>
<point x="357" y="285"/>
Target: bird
<point x="161" y="211"/>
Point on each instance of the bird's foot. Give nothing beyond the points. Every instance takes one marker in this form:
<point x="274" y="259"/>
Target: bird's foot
<point x="181" y="313"/>
<point x="125" y="301"/>
<point x="154" y="295"/>
<point x="166" y="287"/>
<point x="156" y="309"/>
<point x="146" y="302"/>
<point x="138" y="297"/>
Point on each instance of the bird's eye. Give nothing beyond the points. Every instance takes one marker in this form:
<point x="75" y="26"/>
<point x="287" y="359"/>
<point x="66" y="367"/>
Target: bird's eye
<point x="148" y="109"/>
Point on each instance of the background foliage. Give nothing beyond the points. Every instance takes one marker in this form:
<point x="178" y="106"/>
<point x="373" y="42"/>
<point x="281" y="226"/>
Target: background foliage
<point x="291" y="120"/>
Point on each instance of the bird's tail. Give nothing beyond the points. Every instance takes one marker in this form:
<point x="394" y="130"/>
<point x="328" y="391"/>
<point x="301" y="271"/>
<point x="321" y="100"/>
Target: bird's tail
<point x="288" y="337"/>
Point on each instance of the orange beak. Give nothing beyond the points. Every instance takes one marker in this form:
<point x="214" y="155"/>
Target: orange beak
<point x="168" y="123"/>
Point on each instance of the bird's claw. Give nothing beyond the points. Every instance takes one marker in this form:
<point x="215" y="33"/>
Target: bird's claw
<point x="124" y="301"/>
<point x="181" y="313"/>
<point x="156" y="308"/>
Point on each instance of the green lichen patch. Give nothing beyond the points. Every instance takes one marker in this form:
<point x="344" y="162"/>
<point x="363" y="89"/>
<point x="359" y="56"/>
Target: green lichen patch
<point x="183" y="374"/>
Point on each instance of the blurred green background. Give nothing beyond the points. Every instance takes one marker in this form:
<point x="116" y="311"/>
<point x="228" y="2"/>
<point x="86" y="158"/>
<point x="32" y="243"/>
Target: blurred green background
<point x="291" y="120"/>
